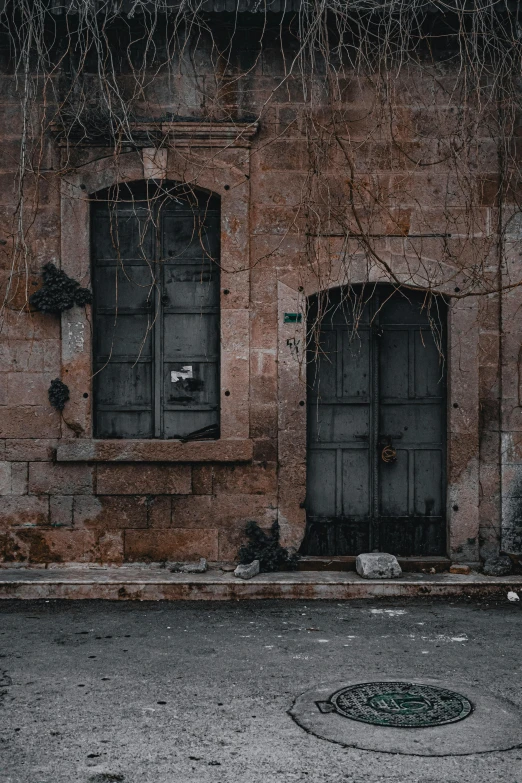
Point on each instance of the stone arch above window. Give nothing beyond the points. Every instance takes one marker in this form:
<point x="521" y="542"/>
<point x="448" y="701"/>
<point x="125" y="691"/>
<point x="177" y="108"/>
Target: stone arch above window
<point x="155" y="252"/>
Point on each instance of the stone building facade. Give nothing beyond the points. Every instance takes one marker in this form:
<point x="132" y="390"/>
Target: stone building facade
<point x="67" y="496"/>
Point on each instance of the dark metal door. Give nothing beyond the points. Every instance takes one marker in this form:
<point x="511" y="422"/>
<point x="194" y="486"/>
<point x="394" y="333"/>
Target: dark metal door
<point x="156" y="312"/>
<point x="376" y="423"/>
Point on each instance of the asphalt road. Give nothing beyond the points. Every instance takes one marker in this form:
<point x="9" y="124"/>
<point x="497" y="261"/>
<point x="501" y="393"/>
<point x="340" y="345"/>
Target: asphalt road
<point x="93" y="692"/>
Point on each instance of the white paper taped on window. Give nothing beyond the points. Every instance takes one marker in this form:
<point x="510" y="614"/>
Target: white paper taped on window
<point x="181" y="375"/>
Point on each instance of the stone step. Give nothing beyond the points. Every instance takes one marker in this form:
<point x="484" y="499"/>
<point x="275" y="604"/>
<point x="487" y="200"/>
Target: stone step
<point x="155" y="584"/>
<point x="347" y="563"/>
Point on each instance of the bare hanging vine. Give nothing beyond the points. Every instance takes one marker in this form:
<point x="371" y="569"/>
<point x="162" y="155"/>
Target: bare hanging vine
<point x="423" y="198"/>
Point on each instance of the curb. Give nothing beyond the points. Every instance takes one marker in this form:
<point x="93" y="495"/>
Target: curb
<point x="147" y="585"/>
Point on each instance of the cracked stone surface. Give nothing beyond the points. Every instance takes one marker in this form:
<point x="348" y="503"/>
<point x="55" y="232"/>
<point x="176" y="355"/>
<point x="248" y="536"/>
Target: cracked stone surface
<point x="199" y="692"/>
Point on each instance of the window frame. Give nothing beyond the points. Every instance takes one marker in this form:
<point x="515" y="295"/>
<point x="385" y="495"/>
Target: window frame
<point x="220" y="164"/>
<point x="159" y="310"/>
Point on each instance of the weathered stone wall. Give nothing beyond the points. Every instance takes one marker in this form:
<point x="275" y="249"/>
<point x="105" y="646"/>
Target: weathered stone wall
<point x="114" y="511"/>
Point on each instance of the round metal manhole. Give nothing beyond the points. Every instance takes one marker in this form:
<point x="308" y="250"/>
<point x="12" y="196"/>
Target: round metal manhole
<point x="400" y="704"/>
<point x="368" y="714"/>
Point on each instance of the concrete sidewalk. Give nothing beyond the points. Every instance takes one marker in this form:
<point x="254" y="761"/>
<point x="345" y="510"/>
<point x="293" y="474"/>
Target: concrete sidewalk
<point x="147" y="583"/>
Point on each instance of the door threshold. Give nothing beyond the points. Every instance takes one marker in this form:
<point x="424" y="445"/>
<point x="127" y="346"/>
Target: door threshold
<point x="347" y="563"/>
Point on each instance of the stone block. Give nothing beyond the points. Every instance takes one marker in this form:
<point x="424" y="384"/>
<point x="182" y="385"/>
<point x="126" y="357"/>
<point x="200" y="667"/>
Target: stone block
<point x="50" y="478"/>
<point x="263" y="377"/>
<point x="61" y="510"/>
<point x="28" y="328"/>
<point x="28" y="388"/>
<point x="263" y="327"/>
<point x="106" y="512"/>
<point x="30" y="510"/>
<point x="202" y="479"/>
<point x="377" y="565"/>
<point x="109" y="547"/>
<point x="19" y="478"/>
<point x="282" y="156"/>
<point x="31" y="450"/>
<point x="3" y="388"/>
<point x="159" y="511"/>
<point x="41" y="422"/>
<point x="245" y="479"/>
<point x="265" y="450"/>
<point x="144" y="479"/>
<point x="230" y="540"/>
<point x="171" y="545"/>
<point x="225" y="511"/>
<point x="5" y="478"/>
<point x="188" y="512"/>
<point x="263" y="420"/>
<point x="68" y="546"/>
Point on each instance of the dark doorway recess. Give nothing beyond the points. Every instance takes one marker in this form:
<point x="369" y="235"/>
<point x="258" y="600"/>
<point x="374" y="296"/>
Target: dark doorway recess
<point x="376" y="477"/>
<point x="155" y="275"/>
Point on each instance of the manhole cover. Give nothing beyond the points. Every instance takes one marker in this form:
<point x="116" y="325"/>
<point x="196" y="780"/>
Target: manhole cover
<point x="400" y="704"/>
<point x="367" y="715"/>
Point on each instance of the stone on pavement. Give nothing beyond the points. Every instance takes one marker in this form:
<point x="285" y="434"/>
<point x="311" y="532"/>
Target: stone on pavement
<point x="189" y="568"/>
<point x="247" y="571"/>
<point x="460" y="568"/>
<point x="377" y="565"/>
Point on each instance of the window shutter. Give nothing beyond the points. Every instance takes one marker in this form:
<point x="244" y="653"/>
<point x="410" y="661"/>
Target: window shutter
<point x="156" y="313"/>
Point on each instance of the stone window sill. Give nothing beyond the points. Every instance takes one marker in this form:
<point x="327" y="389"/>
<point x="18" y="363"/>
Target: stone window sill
<point x="84" y="450"/>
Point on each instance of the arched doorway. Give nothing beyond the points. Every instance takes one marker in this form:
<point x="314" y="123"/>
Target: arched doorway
<point x="376" y="457"/>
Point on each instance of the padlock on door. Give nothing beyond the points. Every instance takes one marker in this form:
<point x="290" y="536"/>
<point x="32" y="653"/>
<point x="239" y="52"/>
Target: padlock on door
<point x="387" y="450"/>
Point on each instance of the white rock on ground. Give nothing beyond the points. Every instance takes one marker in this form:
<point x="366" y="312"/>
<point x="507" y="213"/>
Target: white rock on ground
<point x="247" y="571"/>
<point x="377" y="565"/>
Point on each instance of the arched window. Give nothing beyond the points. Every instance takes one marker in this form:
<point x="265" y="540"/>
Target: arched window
<point x="155" y="273"/>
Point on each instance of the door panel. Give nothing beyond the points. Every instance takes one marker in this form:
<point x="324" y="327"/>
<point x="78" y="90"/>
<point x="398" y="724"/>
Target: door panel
<point x="323" y="482"/>
<point x="393" y="487"/>
<point x="355" y="483"/>
<point x="339" y="424"/>
<point x="413" y="423"/>
<point x="428" y="368"/>
<point x="356" y="365"/>
<point x="376" y="424"/>
<point x="393" y="372"/>
<point x="428" y="486"/>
